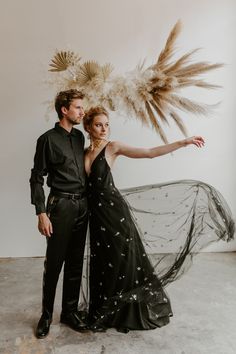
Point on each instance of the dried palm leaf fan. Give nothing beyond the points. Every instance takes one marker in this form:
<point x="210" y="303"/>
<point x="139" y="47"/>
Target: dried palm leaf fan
<point x="148" y="94"/>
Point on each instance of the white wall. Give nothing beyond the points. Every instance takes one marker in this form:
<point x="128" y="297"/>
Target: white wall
<point x="121" y="32"/>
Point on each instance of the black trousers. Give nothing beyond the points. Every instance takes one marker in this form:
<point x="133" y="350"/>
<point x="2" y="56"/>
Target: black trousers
<point x="66" y="245"/>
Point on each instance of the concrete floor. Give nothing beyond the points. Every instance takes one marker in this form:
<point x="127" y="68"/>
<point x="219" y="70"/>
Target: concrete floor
<point x="203" y="301"/>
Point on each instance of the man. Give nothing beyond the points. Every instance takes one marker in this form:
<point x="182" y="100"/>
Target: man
<point x="60" y="156"/>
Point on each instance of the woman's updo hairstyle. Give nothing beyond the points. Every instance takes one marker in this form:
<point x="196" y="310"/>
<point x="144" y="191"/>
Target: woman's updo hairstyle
<point x="91" y="114"/>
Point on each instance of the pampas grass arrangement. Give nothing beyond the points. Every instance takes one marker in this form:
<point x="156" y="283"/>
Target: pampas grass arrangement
<point x="150" y="95"/>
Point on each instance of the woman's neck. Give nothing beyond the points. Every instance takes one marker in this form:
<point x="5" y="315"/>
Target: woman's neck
<point x="95" y="144"/>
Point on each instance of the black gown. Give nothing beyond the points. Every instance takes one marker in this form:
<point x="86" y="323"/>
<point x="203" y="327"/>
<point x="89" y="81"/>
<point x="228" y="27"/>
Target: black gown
<point x="128" y="268"/>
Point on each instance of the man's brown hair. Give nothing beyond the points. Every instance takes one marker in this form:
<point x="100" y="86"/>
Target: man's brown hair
<point x="64" y="99"/>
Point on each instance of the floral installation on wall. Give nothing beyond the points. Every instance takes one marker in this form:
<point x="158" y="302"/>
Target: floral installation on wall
<point x="152" y="94"/>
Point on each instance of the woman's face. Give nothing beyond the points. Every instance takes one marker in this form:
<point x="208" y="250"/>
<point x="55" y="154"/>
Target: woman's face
<point x="99" y="128"/>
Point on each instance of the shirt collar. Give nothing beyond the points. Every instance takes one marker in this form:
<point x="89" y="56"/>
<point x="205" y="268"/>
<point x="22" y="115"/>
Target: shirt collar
<point x="63" y="131"/>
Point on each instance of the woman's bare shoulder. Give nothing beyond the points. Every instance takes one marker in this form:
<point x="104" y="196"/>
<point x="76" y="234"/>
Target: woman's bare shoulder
<point x="114" y="146"/>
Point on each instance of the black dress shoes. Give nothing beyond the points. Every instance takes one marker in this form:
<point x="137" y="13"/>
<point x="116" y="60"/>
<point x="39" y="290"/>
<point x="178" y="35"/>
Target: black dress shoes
<point x="74" y="321"/>
<point x="43" y="327"/>
<point x="123" y="330"/>
<point x="97" y="328"/>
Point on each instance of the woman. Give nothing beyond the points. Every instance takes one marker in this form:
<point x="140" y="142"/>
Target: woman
<point x="125" y="291"/>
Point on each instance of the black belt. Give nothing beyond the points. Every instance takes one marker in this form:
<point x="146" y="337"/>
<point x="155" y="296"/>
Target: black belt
<point x="68" y="195"/>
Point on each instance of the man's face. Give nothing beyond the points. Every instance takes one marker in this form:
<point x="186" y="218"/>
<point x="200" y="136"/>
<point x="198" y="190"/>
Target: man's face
<point x="75" y="113"/>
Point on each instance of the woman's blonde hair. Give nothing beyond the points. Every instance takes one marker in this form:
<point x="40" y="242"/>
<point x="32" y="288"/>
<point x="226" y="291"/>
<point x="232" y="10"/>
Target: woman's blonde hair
<point x="92" y="113"/>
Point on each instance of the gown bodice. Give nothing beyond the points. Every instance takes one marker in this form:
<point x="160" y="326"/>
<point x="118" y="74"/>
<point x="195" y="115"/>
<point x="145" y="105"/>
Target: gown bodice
<point x="100" y="175"/>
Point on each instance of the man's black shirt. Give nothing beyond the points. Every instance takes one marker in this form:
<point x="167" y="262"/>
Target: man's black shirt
<point x="60" y="155"/>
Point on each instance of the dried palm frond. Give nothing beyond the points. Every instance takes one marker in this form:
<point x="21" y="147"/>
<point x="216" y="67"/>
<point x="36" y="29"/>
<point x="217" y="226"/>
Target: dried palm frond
<point x="169" y="49"/>
<point x="62" y="60"/>
<point x="179" y="122"/>
<point x="155" y="123"/>
<point x="91" y="70"/>
<point x="106" y="71"/>
<point x="86" y="72"/>
<point x="187" y="105"/>
<point x="197" y="69"/>
<point x="198" y="83"/>
<point x="172" y="68"/>
<point x="206" y="85"/>
<point x="158" y="107"/>
<point x="142" y="116"/>
<point x="139" y="113"/>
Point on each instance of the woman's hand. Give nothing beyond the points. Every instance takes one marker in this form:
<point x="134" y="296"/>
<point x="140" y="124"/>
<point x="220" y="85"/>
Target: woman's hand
<point x="195" y="140"/>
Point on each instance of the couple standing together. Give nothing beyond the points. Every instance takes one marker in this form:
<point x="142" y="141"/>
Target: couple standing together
<point x="125" y="293"/>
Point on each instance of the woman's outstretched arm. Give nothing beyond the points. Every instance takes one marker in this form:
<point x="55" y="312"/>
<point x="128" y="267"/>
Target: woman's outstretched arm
<point x="118" y="148"/>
